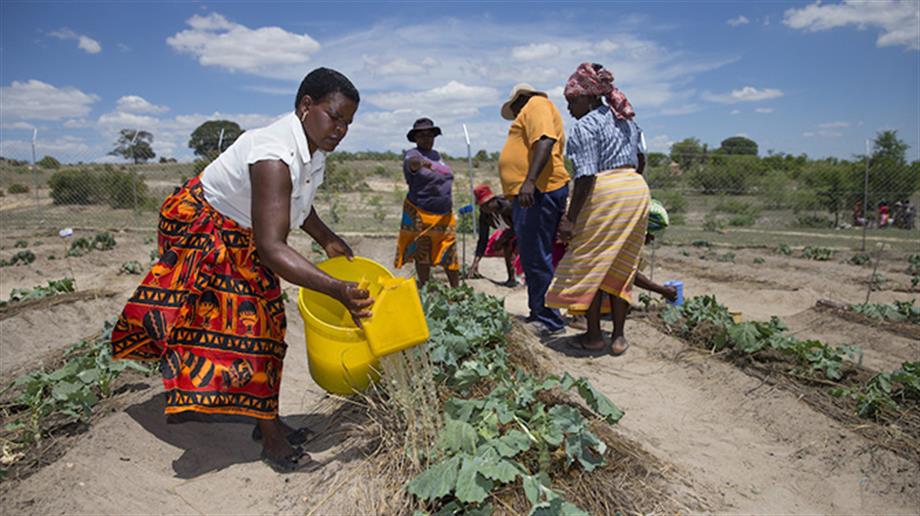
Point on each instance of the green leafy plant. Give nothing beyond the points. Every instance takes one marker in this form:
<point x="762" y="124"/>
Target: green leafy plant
<point x="759" y="260"/>
<point x="519" y="428"/>
<point x="21" y="244"/>
<point x="61" y="286"/>
<point x="22" y="257"/>
<point x="859" y="259"/>
<point x="821" y="254"/>
<point x="700" y="243"/>
<point x="877" y="282"/>
<point x="896" y="311"/>
<point x="70" y="392"/>
<point x="784" y="250"/>
<point x="131" y="267"/>
<point x="101" y="241"/>
<point x="884" y="391"/>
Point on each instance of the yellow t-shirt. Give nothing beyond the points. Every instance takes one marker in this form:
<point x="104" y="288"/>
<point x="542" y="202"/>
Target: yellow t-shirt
<point x="538" y="118"/>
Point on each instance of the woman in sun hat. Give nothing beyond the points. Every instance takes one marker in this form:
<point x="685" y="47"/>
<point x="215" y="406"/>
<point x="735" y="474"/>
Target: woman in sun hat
<point x="427" y="233"/>
<point x="608" y="217"/>
<point x="211" y="310"/>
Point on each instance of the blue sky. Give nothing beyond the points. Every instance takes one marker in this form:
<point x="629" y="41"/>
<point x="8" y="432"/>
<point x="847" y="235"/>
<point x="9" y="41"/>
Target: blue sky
<point x="795" y="77"/>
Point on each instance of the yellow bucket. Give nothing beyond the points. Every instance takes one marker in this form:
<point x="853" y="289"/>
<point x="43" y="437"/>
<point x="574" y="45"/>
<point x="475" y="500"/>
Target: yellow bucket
<point x="342" y="357"/>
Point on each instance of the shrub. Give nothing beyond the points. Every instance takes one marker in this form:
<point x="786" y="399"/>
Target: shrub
<point x="18" y="188"/>
<point x="743" y="220"/>
<point x="813" y="221"/>
<point x="49" y="162"/>
<point x="343" y="179"/>
<point x="735" y="207"/>
<point x="712" y="223"/>
<point x="673" y="201"/>
<point x="380" y="170"/>
<point x="113" y="187"/>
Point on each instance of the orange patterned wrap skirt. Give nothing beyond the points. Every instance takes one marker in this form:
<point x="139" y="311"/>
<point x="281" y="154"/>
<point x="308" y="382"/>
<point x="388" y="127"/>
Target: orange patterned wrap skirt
<point x="210" y="313"/>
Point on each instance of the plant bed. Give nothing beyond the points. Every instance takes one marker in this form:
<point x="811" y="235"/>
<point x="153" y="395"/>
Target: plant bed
<point x="512" y="438"/>
<point x="882" y="407"/>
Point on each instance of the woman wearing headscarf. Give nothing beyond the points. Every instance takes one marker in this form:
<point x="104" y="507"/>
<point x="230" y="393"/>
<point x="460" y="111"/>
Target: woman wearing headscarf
<point x="211" y="309"/>
<point x="607" y="219"/>
<point x="427" y="233"/>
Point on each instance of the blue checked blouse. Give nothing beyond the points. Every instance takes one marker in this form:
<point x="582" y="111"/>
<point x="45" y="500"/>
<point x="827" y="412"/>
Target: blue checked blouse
<point x="600" y="142"/>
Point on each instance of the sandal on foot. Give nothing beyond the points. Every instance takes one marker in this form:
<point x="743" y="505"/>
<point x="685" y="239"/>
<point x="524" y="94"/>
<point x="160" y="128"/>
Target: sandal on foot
<point x="616" y="354"/>
<point x="294" y="438"/>
<point x="297" y="460"/>
<point x="579" y="345"/>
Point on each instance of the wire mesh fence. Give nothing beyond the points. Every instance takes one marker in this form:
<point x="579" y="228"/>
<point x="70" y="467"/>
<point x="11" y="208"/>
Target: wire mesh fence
<point x="710" y="191"/>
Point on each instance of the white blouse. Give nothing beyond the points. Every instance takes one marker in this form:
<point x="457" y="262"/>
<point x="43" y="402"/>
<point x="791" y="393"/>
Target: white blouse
<point x="226" y="181"/>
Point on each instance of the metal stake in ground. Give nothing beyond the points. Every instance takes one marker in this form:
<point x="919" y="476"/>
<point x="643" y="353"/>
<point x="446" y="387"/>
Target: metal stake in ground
<point x="878" y="257"/>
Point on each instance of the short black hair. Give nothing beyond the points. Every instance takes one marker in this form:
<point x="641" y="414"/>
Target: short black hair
<point x="324" y="81"/>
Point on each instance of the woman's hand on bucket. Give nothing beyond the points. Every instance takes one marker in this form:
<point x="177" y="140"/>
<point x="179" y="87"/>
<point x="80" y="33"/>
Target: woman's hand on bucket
<point x="357" y="301"/>
<point x="337" y="247"/>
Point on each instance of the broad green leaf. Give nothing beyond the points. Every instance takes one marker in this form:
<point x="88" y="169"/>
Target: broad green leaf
<point x="457" y="436"/>
<point x="556" y="507"/>
<point x="89" y="376"/>
<point x="599" y="402"/>
<point x="471" y="486"/>
<point x="746" y="337"/>
<point x="512" y="443"/>
<point x="437" y="481"/>
<point x="586" y="448"/>
<point x="567" y="417"/>
<point x="64" y="390"/>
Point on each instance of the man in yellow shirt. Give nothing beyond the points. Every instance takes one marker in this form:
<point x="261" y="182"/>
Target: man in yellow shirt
<point x="533" y="176"/>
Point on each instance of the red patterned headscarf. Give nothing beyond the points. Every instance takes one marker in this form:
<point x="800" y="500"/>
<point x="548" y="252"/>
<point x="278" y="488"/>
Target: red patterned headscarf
<point x="588" y="81"/>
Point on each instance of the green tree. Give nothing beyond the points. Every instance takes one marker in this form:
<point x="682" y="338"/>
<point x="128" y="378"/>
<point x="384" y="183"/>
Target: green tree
<point x="49" y="162"/>
<point x="891" y="178"/>
<point x="206" y="140"/>
<point x="739" y="146"/>
<point x="833" y="183"/>
<point x="482" y="155"/>
<point x="134" y="145"/>
<point x="687" y="153"/>
<point x="657" y="158"/>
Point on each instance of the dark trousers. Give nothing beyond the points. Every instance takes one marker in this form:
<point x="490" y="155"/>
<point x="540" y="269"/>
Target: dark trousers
<point x="535" y="228"/>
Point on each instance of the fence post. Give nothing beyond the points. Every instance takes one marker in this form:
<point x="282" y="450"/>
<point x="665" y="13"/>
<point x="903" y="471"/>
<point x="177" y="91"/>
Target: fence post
<point x="134" y="177"/>
<point x="865" y="199"/>
<point x="38" y="208"/>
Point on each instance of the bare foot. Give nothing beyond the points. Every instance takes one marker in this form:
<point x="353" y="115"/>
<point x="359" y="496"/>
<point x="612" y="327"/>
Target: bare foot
<point x="619" y="346"/>
<point x="588" y="342"/>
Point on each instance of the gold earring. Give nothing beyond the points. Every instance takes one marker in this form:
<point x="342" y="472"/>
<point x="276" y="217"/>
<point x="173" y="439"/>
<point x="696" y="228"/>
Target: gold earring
<point x="303" y="117"/>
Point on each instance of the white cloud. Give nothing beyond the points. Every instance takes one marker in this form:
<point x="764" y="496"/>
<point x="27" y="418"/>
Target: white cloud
<point x="736" y="112"/>
<point x="535" y="51"/>
<point x="764" y="110"/>
<point x="660" y="143"/>
<point x="266" y="51"/>
<point x="58" y="147"/>
<point x="86" y="43"/>
<point x="745" y="94"/>
<point x="834" y="125"/>
<point x="737" y="22"/>
<point x="822" y="134"/>
<point x="272" y="90"/>
<point x="135" y="104"/>
<point x="766" y="21"/>
<point x="36" y="100"/>
<point x="453" y="98"/>
<point x="399" y="66"/>
<point x="898" y="20"/>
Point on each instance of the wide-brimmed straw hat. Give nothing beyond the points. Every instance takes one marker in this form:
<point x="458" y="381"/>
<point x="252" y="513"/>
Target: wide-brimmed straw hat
<point x="422" y="124"/>
<point x="517" y="91"/>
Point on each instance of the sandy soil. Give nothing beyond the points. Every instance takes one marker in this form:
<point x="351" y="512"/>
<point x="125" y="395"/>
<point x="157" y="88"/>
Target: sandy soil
<point x="748" y="447"/>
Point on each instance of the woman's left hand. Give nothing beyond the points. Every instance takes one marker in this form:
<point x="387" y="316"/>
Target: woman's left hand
<point x="337" y="247"/>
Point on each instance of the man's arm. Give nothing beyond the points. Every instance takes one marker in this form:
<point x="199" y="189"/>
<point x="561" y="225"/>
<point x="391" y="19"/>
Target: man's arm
<point x="541" y="150"/>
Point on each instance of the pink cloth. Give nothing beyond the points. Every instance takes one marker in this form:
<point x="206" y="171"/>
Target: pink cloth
<point x="599" y="82"/>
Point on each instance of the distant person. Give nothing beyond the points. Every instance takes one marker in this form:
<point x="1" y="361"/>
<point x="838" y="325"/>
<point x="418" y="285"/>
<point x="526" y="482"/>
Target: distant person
<point x="883" y="214"/>
<point x="607" y="220"/>
<point x="211" y="310"/>
<point x="534" y="178"/>
<point x="495" y="213"/>
<point x="428" y="231"/>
